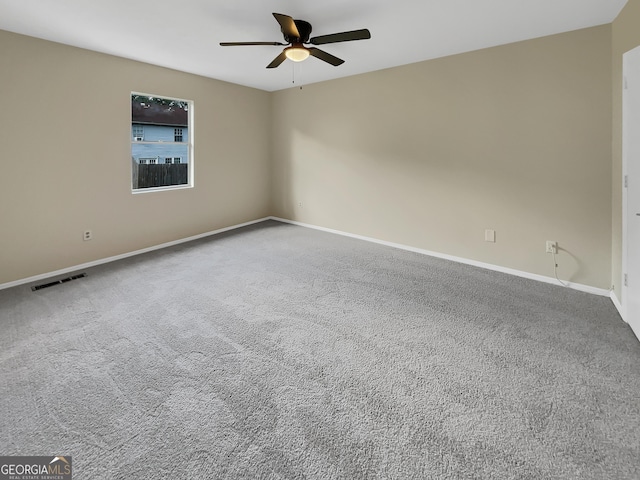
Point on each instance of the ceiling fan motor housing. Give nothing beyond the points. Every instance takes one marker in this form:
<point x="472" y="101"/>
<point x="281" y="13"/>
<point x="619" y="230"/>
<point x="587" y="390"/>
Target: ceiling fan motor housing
<point x="304" y="29"/>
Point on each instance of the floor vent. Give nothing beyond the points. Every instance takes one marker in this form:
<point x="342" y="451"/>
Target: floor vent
<point x="57" y="282"/>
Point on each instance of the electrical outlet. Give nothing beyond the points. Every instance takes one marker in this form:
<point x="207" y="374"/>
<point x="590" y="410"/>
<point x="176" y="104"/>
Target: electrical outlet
<point x="87" y="235"/>
<point x="552" y="246"/>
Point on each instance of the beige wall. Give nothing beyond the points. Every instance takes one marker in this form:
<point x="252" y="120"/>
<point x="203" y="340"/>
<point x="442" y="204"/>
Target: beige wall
<point x="515" y="138"/>
<point x="65" y="132"/>
<point x="626" y="36"/>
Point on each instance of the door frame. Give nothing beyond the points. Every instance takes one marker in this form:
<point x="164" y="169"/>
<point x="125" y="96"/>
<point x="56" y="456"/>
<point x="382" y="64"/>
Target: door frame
<point x="631" y="55"/>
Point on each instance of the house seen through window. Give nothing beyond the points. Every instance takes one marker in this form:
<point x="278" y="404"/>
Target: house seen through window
<point x="161" y="142"/>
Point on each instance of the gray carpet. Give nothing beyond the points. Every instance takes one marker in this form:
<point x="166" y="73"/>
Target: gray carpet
<point x="279" y="352"/>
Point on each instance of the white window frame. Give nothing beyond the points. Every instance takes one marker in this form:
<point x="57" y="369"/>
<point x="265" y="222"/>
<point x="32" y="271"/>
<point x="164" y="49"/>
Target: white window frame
<point x="189" y="143"/>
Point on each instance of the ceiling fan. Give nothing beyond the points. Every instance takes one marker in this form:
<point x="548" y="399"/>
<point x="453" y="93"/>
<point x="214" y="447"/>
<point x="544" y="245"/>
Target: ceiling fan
<point x="296" y="34"/>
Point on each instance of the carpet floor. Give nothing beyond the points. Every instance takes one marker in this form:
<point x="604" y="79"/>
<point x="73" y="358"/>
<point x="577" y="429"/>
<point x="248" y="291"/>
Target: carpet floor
<point x="281" y="352"/>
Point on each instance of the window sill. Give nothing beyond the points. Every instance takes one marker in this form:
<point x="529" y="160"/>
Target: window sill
<point x="161" y="189"/>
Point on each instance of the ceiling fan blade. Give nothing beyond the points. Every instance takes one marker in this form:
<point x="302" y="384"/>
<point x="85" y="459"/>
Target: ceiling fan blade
<point x="363" y="34"/>
<point x="278" y="60"/>
<point x="288" y="25"/>
<point x="327" y="57"/>
<point x="237" y="44"/>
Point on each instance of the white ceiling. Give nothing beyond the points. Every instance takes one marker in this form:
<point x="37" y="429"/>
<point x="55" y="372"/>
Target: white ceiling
<point x="185" y="34"/>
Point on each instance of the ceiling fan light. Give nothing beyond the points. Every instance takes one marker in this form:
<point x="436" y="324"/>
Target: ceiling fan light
<point x="296" y="53"/>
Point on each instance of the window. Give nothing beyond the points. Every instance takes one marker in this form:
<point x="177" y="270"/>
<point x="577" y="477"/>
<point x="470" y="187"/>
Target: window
<point x="138" y="133"/>
<point x="172" y="160"/>
<point x="161" y="129"/>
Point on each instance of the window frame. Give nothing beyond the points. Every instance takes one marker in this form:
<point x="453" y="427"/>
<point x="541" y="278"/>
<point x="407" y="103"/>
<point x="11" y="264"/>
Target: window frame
<point x="189" y="143"/>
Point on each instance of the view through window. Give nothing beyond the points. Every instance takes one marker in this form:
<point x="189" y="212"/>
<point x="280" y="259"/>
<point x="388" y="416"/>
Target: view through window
<point x="161" y="142"/>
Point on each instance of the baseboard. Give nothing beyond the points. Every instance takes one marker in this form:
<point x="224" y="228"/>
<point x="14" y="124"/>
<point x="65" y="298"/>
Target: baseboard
<point x="635" y="328"/>
<point x="488" y="266"/>
<point x="532" y="276"/>
<point x="617" y="304"/>
<point x="102" y="261"/>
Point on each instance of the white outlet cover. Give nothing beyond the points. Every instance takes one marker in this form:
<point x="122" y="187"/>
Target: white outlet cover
<point x="489" y="235"/>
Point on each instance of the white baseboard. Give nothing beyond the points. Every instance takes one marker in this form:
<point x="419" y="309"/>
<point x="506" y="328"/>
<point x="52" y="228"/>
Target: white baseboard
<point x="102" y="261"/>
<point x="532" y="276"/>
<point x="617" y="304"/>
<point x="488" y="266"/>
<point x="635" y="327"/>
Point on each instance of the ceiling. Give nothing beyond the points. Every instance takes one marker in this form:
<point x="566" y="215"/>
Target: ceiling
<point x="185" y="35"/>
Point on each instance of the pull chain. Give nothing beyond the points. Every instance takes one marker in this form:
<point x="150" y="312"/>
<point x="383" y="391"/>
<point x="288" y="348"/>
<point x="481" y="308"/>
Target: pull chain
<point x="293" y="74"/>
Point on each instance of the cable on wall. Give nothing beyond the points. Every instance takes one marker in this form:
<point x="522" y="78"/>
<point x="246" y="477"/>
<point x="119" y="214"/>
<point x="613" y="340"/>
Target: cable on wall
<point x="555" y="269"/>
